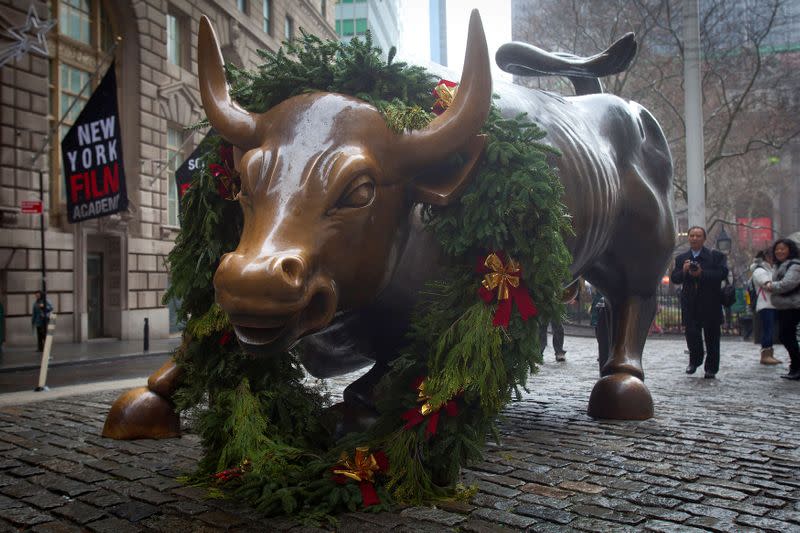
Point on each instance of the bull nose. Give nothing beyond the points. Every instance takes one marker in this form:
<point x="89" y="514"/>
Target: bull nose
<point x="291" y="269"/>
<point x="242" y="277"/>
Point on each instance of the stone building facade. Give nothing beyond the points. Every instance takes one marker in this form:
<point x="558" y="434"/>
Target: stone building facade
<point x="106" y="276"/>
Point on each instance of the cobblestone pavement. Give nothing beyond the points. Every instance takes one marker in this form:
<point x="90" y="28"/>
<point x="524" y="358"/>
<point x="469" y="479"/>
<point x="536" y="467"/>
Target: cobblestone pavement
<point x="720" y="455"/>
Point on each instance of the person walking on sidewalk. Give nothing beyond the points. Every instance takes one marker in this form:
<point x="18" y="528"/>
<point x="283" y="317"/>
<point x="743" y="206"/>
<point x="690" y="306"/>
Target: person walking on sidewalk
<point x="785" y="295"/>
<point x="40" y="316"/>
<point x="761" y="270"/>
<point x="700" y="272"/>
<point x="558" y="339"/>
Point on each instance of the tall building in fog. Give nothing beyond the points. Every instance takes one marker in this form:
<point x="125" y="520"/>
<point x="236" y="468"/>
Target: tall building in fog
<point x="380" y="17"/>
<point x="438" y="23"/>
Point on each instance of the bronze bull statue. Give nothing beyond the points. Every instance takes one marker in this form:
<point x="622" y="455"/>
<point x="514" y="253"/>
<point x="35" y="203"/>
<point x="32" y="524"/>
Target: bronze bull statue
<point x="330" y="255"/>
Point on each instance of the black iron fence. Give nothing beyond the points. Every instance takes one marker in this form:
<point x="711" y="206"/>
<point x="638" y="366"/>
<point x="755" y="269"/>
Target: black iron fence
<point x="738" y="317"/>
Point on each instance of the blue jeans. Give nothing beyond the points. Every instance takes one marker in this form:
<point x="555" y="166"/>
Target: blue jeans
<point x="767" y="318"/>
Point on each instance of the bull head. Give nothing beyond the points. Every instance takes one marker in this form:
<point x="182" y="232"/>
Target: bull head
<point x="327" y="190"/>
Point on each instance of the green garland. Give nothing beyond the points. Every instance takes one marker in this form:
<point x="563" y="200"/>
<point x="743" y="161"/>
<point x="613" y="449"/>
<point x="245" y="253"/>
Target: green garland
<point x="267" y="437"/>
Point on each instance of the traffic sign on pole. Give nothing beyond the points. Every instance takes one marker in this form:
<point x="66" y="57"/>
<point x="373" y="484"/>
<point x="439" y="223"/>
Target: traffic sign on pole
<point x="33" y="207"/>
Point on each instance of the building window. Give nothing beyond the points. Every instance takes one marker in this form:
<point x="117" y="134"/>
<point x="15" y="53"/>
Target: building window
<point x="174" y="39"/>
<point x="175" y="158"/>
<point x="71" y="101"/>
<point x="345" y="29"/>
<point x="74" y="20"/>
<point x="350" y="27"/>
<point x="71" y="81"/>
<point x="242" y="5"/>
<point x="265" y="17"/>
<point x="288" y="29"/>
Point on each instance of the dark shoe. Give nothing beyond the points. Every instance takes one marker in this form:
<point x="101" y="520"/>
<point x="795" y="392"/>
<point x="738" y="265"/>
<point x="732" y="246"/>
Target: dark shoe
<point x="561" y="357"/>
<point x="795" y="375"/>
<point x="709" y="375"/>
<point x="691" y="369"/>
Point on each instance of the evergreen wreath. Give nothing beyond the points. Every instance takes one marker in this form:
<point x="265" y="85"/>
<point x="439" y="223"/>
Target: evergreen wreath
<point x="264" y="432"/>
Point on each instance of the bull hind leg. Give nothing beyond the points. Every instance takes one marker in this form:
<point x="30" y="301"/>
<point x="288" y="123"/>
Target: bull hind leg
<point x="621" y="393"/>
<point x="146" y="412"/>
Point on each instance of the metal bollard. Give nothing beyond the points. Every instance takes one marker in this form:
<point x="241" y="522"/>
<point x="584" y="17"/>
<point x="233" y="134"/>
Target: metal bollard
<point x="48" y="345"/>
<point x="146" y="334"/>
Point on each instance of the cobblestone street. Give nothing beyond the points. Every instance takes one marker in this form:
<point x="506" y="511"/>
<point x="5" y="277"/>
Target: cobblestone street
<point x="720" y="455"/>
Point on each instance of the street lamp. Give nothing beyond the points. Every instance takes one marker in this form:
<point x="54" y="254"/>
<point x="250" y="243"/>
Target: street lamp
<point x="724" y="242"/>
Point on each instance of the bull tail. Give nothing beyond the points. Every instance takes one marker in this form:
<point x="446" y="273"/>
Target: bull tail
<point x="522" y="59"/>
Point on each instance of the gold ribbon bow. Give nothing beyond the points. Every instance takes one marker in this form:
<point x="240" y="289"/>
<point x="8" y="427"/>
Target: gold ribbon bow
<point x="445" y="94"/>
<point x="501" y="276"/>
<point x="363" y="468"/>
<point x="423" y="398"/>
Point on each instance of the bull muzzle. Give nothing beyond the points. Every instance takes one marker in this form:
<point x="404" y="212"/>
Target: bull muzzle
<point x="273" y="301"/>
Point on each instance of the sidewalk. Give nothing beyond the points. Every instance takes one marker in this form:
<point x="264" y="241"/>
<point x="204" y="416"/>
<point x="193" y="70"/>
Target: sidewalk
<point x="16" y="359"/>
<point x="720" y="455"/>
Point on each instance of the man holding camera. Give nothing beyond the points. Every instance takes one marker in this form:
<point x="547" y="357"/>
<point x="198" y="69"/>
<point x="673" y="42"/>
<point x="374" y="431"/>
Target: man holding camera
<point x="700" y="272"/>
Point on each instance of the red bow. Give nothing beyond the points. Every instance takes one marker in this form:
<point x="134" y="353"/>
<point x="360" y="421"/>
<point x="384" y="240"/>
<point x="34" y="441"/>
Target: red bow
<point x="362" y="469"/>
<point x="227" y="177"/>
<point x="414" y="416"/>
<point x="225" y="338"/>
<point x="232" y="473"/>
<point x="506" y="278"/>
<point x="417" y="415"/>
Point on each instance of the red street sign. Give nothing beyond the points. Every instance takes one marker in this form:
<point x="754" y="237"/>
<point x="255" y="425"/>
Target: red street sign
<point x="32" y="206"/>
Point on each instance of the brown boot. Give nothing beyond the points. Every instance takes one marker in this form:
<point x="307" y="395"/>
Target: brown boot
<point x="767" y="358"/>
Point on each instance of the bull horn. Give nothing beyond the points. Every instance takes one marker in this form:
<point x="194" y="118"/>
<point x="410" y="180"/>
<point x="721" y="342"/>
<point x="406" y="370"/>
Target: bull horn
<point x="236" y="125"/>
<point x="454" y="128"/>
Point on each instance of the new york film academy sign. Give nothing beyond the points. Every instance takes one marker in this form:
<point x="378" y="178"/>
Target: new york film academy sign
<point x="91" y="154"/>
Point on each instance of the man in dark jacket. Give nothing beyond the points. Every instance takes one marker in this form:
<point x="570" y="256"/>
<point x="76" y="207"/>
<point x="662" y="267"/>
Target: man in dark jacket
<point x="700" y="272"/>
<point x="40" y="316"/>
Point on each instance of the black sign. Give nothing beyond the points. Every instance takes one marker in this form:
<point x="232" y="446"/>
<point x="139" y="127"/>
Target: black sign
<point x="91" y="154"/>
<point x="183" y="176"/>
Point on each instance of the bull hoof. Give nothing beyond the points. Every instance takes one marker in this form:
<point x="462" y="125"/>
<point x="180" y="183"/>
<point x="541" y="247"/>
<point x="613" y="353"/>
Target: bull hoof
<point x="620" y="397"/>
<point x="141" y="414"/>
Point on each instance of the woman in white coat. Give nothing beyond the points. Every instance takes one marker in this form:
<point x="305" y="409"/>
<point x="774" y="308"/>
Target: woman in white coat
<point x="761" y="271"/>
<point x="785" y="296"/>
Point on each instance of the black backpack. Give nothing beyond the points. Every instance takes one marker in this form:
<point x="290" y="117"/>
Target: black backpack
<point x="728" y="295"/>
<point x="752" y="294"/>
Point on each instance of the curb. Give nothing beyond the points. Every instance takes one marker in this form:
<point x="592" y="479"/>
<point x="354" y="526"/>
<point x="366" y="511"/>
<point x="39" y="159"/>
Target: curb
<point x="79" y="362"/>
<point x="9" y="399"/>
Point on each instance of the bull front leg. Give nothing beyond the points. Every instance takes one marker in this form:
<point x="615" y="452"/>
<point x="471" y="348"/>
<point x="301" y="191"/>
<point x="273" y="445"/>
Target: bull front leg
<point x="146" y="412"/>
<point x="621" y="393"/>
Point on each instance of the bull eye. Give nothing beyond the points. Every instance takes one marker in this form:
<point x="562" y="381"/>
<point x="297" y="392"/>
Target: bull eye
<point x="359" y="193"/>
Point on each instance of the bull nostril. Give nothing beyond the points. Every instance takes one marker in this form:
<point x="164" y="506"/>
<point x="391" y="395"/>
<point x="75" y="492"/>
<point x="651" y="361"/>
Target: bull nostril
<point x="319" y="311"/>
<point x="293" y="269"/>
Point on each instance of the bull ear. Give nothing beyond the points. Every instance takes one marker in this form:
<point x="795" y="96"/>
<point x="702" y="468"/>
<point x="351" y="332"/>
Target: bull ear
<point x="444" y="186"/>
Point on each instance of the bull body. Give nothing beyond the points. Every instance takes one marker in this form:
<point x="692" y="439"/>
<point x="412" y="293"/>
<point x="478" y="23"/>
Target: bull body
<point x="333" y="254"/>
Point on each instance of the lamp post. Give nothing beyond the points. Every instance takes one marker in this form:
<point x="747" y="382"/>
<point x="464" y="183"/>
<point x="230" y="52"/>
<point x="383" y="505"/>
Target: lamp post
<point x="724" y="246"/>
<point x="724" y="242"/>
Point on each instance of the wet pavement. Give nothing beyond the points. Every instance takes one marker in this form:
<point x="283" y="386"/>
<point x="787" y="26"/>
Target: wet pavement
<point x="74" y="363"/>
<point x="719" y="455"/>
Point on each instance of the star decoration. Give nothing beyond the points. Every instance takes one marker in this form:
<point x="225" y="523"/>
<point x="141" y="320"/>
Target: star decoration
<point x="31" y="36"/>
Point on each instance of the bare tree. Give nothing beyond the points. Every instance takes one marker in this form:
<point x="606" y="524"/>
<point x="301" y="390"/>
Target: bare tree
<point x="750" y="78"/>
